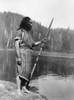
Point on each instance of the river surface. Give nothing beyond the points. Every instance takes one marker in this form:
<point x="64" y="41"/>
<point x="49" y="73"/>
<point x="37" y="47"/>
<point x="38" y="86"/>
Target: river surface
<point x="54" y="76"/>
<point x="54" y="87"/>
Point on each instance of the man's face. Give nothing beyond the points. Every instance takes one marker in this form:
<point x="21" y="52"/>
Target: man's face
<point x="31" y="24"/>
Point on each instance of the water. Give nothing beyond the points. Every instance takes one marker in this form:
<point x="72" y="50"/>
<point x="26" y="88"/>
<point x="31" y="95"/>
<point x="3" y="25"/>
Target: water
<point x="7" y="65"/>
<point x="54" y="75"/>
<point x="53" y="87"/>
<point x="47" y="64"/>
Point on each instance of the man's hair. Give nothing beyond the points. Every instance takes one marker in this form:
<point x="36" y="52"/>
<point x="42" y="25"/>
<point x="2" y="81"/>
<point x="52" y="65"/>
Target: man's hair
<point x="25" y="24"/>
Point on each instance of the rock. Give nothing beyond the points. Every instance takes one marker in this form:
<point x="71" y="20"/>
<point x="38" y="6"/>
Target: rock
<point x="8" y="92"/>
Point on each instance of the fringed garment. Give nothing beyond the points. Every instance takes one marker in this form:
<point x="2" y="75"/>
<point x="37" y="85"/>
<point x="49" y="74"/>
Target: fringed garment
<point x="26" y="43"/>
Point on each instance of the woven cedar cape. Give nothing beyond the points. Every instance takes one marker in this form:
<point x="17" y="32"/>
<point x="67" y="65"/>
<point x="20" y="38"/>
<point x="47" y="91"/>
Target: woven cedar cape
<point x="25" y="44"/>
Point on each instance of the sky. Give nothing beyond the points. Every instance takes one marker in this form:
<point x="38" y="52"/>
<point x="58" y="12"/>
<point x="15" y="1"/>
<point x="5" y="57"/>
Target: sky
<point x="43" y="11"/>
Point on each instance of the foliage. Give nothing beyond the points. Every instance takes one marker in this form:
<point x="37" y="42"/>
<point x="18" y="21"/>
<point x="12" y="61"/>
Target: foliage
<point x="59" y="40"/>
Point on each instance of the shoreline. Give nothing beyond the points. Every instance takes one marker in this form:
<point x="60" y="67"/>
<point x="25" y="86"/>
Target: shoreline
<point x="7" y="88"/>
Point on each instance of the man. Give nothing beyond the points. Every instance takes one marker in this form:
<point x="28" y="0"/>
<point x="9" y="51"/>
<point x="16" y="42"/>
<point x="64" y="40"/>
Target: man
<point x="23" y="42"/>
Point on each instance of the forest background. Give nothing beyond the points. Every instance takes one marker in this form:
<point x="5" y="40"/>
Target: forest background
<point x="59" y="40"/>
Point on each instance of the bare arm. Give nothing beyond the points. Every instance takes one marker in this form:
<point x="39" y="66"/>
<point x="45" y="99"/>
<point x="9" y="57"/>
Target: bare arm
<point x="39" y="42"/>
<point x="17" y="48"/>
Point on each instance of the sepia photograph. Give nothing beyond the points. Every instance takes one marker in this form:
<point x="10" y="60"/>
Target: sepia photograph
<point x="36" y="50"/>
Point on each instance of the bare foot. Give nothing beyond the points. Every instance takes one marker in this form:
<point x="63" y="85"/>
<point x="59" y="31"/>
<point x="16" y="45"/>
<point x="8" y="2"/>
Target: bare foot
<point x="16" y="93"/>
<point x="19" y="92"/>
<point x="26" y="90"/>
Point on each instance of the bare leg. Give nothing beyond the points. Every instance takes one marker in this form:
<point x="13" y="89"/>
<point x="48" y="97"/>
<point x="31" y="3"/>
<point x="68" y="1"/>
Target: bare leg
<point x="24" y="89"/>
<point x="18" y="81"/>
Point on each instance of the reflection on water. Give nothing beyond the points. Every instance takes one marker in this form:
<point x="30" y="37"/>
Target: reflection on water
<point x="55" y="74"/>
<point x="55" y="65"/>
<point x="46" y="65"/>
<point x="56" y="78"/>
<point x="7" y="65"/>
